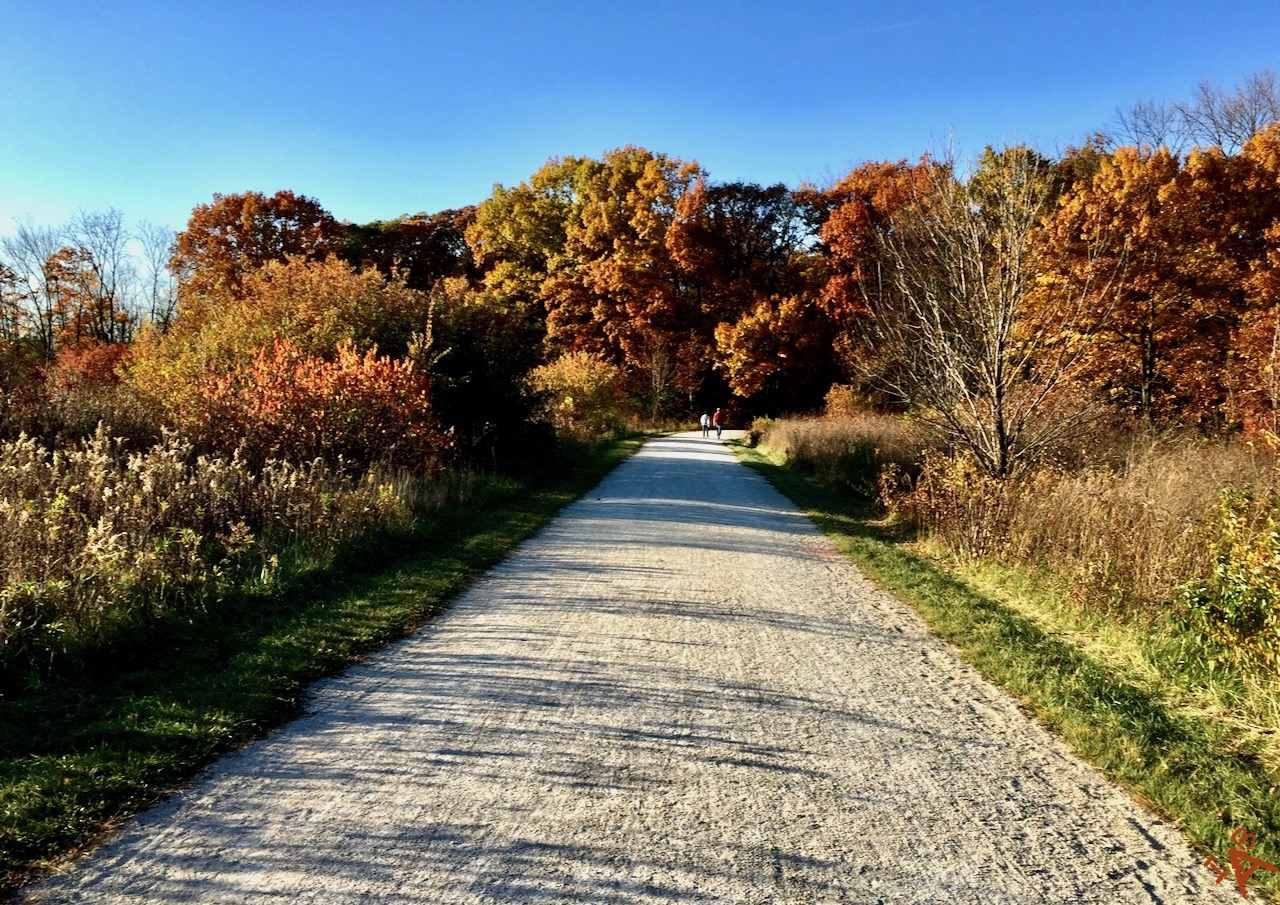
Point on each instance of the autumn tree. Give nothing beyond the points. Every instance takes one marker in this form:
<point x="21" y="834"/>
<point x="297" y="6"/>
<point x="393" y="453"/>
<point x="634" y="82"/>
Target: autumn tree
<point x="736" y="240"/>
<point x="1196" y="231"/>
<point x="86" y="280"/>
<point x="76" y="316"/>
<point x="69" y="305"/>
<point x="617" y="290"/>
<point x="421" y="249"/>
<point x="582" y="244"/>
<point x="853" y="216"/>
<point x="517" y="242"/>
<point x="777" y="353"/>
<point x="492" y="328"/>
<point x="861" y="208"/>
<point x="235" y="234"/>
<point x="1126" y="360"/>
<point x="1252" y="379"/>
<point x="744" y="253"/>
<point x="961" y="264"/>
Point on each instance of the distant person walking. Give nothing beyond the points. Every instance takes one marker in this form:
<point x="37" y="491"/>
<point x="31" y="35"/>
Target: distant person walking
<point x="718" y="420"/>
<point x="705" y="421"/>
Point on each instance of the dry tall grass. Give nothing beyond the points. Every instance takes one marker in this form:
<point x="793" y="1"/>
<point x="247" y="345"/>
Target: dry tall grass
<point x="96" y="540"/>
<point x="1134" y="526"/>
<point x="1130" y="537"/>
<point x="1127" y="535"/>
<point x="850" y="450"/>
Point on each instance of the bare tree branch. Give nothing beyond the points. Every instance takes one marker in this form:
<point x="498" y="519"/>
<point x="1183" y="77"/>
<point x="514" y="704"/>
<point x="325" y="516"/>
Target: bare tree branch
<point x="1218" y="119"/>
<point x="983" y="344"/>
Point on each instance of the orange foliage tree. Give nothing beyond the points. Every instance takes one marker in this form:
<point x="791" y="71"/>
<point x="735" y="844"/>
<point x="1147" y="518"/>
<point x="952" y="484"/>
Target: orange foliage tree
<point x="235" y="234"/>
<point x="745" y="254"/>
<point x="1188" y="337"/>
<point x="421" y="250"/>
<point x="620" y="293"/>
<point x="780" y="343"/>
<point x="83" y="311"/>
<point x="860" y="208"/>
<point x="582" y="246"/>
<point x="1253" y="368"/>
<point x="855" y="214"/>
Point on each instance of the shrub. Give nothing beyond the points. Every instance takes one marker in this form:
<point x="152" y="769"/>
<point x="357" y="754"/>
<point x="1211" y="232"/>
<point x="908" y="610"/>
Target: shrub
<point x="288" y="404"/>
<point x="1235" y="603"/>
<point x="758" y="428"/>
<point x="957" y="502"/>
<point x="583" y="396"/>
<point x="317" y="306"/>
<point x="844" y="401"/>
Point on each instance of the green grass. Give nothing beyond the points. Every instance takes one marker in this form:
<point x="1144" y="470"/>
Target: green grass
<point x="80" y="752"/>
<point x="1196" y="770"/>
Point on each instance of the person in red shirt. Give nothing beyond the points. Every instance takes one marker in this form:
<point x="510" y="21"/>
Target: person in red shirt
<point x="718" y="420"/>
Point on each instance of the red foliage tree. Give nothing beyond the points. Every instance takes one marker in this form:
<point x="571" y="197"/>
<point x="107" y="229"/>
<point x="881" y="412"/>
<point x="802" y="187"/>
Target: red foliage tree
<point x="861" y="206"/>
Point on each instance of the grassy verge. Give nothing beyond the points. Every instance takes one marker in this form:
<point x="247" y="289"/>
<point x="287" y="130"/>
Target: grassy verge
<point x="80" y="753"/>
<point x="1134" y="724"/>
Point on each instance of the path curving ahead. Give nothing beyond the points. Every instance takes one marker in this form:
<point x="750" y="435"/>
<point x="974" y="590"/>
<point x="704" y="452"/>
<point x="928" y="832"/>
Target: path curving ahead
<point x="676" y="693"/>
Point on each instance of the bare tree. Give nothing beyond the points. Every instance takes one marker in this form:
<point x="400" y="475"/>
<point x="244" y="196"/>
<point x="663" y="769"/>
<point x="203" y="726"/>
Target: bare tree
<point x="980" y="344"/>
<point x="1228" y="120"/>
<point x="1214" y="117"/>
<point x="1150" y="124"/>
<point x="29" y="254"/>
<point x="103" y="240"/>
<point x="159" y="285"/>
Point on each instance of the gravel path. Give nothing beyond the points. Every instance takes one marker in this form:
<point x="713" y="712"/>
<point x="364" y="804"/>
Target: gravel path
<point x="677" y="692"/>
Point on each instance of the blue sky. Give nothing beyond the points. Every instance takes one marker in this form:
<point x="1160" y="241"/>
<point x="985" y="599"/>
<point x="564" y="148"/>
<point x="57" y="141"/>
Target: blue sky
<point x="379" y="108"/>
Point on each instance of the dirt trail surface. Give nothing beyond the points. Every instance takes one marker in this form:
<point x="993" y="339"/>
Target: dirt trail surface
<point x="677" y="692"/>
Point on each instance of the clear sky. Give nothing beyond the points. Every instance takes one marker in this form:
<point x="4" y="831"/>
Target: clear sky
<point x="383" y="107"/>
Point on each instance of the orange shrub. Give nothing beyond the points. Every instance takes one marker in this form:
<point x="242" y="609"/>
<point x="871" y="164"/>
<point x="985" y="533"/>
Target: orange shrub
<point x="288" y="404"/>
<point x="315" y="305"/>
<point x="89" y="362"/>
